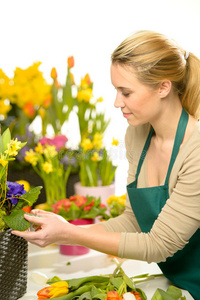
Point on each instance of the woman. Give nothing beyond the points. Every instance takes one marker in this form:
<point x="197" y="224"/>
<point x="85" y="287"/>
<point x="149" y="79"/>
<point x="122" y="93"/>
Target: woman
<point x="158" y="91"/>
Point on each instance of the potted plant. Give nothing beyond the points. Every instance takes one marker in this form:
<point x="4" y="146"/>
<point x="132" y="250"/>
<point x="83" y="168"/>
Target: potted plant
<point x="13" y="198"/>
<point x="78" y="210"/>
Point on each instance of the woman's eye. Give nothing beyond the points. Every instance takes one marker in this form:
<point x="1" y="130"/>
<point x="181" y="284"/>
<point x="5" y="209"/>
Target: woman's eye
<point x="125" y="94"/>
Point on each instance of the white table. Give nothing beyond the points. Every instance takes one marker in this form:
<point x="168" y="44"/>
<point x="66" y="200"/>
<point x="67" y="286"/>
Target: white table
<point x="51" y="263"/>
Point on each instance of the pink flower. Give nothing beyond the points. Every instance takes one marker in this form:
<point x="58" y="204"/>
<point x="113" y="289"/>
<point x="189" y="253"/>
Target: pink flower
<point x="59" y="141"/>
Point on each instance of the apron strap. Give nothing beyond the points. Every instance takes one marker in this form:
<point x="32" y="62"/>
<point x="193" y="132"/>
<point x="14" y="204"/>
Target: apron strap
<point x="144" y="152"/>
<point x="178" y="140"/>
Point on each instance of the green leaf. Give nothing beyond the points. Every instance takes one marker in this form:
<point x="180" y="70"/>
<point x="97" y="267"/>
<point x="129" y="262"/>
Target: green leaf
<point x="129" y="282"/>
<point x="16" y="221"/>
<point x="117" y="282"/>
<point x="174" y="292"/>
<point x="85" y="296"/>
<point x="28" y="198"/>
<point x="161" y="295"/>
<point x="6" y="136"/>
<point x="1" y="145"/>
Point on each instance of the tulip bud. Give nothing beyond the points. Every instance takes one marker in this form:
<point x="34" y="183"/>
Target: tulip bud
<point x="53" y="73"/>
<point x="70" y="61"/>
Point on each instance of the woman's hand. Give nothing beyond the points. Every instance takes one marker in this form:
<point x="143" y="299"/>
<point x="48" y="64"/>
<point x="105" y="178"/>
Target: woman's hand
<point x="49" y="228"/>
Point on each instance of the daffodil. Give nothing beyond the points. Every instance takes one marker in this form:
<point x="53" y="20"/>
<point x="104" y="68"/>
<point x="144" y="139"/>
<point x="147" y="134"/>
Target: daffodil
<point x="39" y="148"/>
<point x="50" y="151"/>
<point x="115" y="142"/>
<point x="98" y="140"/>
<point x="13" y="147"/>
<point x="3" y="160"/>
<point x="87" y="144"/>
<point x="31" y="157"/>
<point x="95" y="157"/>
<point x="85" y="95"/>
<point x="47" y="167"/>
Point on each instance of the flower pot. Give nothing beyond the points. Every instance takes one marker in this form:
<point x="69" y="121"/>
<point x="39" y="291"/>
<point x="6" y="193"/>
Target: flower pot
<point x="13" y="265"/>
<point x="76" y="249"/>
<point x="96" y="191"/>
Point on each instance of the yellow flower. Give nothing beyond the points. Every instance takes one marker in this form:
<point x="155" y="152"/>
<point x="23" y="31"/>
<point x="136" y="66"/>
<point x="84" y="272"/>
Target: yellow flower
<point x="25" y="183"/>
<point x="29" y="86"/>
<point x="95" y="157"/>
<point x="4" y="108"/>
<point x="13" y="147"/>
<point x="50" y="151"/>
<point x="55" y="290"/>
<point x="98" y="140"/>
<point x="119" y="199"/>
<point x="84" y="95"/>
<point x="87" y="144"/>
<point x="6" y="86"/>
<point x="86" y="81"/>
<point x="39" y="148"/>
<point x="42" y="206"/>
<point x="31" y="157"/>
<point x="3" y="160"/>
<point x="115" y="142"/>
<point x="47" y="167"/>
<point x="100" y="99"/>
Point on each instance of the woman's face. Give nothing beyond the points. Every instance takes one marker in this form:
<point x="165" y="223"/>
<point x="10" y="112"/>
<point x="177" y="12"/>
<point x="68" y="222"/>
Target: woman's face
<point x="139" y="103"/>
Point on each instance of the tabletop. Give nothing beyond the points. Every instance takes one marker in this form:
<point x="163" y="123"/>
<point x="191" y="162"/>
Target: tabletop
<point x="50" y="262"/>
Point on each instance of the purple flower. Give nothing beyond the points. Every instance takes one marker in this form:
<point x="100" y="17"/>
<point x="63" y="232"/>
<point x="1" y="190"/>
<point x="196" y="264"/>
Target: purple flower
<point x="15" y="190"/>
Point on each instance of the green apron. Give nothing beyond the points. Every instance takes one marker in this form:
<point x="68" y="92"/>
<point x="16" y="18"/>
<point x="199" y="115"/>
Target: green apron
<point x="183" y="269"/>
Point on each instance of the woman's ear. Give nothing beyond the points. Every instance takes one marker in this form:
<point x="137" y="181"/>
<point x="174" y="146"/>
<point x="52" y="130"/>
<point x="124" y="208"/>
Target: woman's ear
<point x="165" y="88"/>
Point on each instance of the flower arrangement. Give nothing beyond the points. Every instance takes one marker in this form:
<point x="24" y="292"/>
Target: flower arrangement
<point x="28" y="95"/>
<point x="96" y="167"/>
<point x="47" y="160"/>
<point x="79" y="207"/>
<point x="13" y="196"/>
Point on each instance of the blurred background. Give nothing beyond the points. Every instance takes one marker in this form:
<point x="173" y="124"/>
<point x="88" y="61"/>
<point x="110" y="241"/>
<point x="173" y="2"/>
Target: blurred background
<point x="50" y="31"/>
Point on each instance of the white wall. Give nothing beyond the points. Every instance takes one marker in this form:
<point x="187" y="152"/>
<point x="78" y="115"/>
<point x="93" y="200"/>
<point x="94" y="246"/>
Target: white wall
<point x="51" y="30"/>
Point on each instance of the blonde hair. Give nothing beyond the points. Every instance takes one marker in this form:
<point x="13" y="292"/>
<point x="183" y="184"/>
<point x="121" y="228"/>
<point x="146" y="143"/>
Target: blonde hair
<point x="154" y="58"/>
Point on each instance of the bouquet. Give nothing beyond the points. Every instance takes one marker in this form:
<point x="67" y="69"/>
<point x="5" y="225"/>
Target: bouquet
<point x="13" y="197"/>
<point x="79" y="207"/>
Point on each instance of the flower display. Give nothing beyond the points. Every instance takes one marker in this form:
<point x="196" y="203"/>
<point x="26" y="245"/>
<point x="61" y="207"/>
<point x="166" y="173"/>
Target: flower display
<point x="46" y="160"/>
<point x="13" y="196"/>
<point x="79" y="207"/>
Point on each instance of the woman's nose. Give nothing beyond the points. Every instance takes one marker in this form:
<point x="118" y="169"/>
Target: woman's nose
<point x="119" y="101"/>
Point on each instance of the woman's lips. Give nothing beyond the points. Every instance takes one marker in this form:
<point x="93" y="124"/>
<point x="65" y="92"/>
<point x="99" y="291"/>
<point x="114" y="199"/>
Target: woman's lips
<point x="126" y="115"/>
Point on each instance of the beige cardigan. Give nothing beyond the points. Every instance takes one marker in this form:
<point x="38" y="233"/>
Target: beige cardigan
<point x="179" y="218"/>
